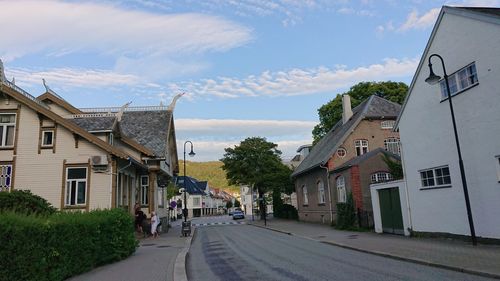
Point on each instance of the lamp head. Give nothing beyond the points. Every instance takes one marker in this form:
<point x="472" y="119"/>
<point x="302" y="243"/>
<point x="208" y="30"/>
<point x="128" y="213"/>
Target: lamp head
<point x="433" y="78"/>
<point x="192" y="152"/>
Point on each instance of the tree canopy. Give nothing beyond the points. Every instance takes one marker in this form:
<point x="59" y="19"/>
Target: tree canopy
<point x="331" y="112"/>
<point x="257" y="163"/>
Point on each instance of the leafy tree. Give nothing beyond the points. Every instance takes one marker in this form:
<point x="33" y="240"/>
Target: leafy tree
<point x="256" y="163"/>
<point x="331" y="112"/>
<point x="237" y="204"/>
<point x="229" y="204"/>
<point x="395" y="167"/>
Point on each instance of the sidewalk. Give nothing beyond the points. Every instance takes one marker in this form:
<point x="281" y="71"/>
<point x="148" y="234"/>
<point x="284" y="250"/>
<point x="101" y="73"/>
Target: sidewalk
<point x="455" y="255"/>
<point x="153" y="260"/>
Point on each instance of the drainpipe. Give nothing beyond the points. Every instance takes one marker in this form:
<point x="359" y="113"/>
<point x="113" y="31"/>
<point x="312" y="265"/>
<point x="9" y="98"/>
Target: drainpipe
<point x="406" y="187"/>
<point x="329" y="191"/>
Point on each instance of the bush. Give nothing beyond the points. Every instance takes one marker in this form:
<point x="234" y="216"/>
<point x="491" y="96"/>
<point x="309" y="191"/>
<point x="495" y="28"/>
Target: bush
<point x="346" y="215"/>
<point x="62" y="245"/>
<point x="23" y="201"/>
<point x="287" y="211"/>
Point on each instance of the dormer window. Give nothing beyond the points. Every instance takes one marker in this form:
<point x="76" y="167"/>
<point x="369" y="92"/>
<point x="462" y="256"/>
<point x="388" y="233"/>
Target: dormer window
<point x="48" y="138"/>
<point x="387" y="124"/>
<point x="361" y="147"/>
<point x="110" y="138"/>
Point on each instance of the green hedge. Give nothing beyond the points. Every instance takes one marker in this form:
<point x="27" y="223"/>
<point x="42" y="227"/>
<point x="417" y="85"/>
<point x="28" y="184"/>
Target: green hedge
<point x="64" y="244"/>
<point x="346" y="215"/>
<point x="23" y="201"/>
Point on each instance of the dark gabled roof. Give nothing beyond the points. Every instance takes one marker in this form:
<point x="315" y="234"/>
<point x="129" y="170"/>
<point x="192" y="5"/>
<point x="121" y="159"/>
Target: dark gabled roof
<point x="482" y="10"/>
<point x="374" y="107"/>
<point x="202" y="185"/>
<point x="360" y="159"/>
<point x="94" y="124"/>
<point x="148" y="128"/>
<point x="191" y="185"/>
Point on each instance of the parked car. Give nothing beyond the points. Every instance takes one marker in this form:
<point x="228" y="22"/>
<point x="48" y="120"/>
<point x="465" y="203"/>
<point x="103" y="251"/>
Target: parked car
<point x="238" y="215"/>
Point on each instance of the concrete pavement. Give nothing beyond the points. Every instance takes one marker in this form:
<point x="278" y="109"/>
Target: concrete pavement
<point x="461" y="256"/>
<point x="154" y="260"/>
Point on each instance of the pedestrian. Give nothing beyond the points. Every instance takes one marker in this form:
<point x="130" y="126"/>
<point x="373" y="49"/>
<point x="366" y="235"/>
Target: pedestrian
<point x="154" y="224"/>
<point x="139" y="218"/>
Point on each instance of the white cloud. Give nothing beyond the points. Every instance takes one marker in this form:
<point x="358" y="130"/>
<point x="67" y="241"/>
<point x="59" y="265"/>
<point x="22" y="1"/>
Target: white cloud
<point x="416" y="21"/>
<point x="67" y="77"/>
<point x="211" y="136"/>
<point x="297" y="81"/>
<point x="62" y="28"/>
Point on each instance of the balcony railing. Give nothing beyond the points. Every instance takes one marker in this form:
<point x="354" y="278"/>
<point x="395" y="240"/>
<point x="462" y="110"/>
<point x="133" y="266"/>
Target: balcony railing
<point x="23" y="92"/>
<point x="117" y="109"/>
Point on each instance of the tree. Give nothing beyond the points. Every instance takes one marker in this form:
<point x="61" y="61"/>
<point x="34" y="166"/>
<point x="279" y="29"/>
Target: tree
<point x="331" y="112"/>
<point x="237" y="203"/>
<point x="256" y="163"/>
<point x="229" y="204"/>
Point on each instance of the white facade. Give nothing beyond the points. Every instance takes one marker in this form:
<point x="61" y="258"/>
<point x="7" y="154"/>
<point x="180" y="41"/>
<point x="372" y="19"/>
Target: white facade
<point x="461" y="37"/>
<point x="246" y="199"/>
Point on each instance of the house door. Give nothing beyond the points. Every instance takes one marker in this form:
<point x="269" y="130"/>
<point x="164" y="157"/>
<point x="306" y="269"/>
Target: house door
<point x="390" y="210"/>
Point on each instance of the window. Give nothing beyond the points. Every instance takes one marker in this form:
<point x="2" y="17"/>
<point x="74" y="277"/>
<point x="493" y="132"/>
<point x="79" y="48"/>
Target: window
<point x="341" y="152"/>
<point x="381" y="177"/>
<point x="144" y="190"/>
<point x="321" y="192"/>
<point x="5" y="177"/>
<point x="196" y="202"/>
<point x="161" y="196"/>
<point x="110" y="138"/>
<point x="76" y="186"/>
<point x="361" y="147"/>
<point x="47" y="138"/>
<point x="341" y="194"/>
<point x="392" y="145"/>
<point x="387" y="124"/>
<point x="498" y="166"/>
<point x="7" y="129"/>
<point x="460" y="80"/>
<point x="304" y="193"/>
<point x="436" y="177"/>
<point x="124" y="185"/>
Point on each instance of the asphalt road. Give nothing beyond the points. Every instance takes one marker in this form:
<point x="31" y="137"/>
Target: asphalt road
<point x="244" y="252"/>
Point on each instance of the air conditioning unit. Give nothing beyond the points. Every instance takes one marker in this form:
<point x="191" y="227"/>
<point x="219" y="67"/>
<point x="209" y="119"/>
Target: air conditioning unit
<point x="99" y="160"/>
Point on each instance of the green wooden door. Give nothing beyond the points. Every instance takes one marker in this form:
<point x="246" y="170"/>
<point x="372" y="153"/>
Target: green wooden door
<point x="390" y="210"/>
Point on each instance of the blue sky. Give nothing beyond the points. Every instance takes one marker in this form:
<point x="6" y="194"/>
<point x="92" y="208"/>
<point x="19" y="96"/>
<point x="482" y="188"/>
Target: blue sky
<point x="248" y="67"/>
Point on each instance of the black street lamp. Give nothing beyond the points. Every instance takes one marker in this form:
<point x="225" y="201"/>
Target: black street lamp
<point x="433" y="79"/>
<point x="185" y="212"/>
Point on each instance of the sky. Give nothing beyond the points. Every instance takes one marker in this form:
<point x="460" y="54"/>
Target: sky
<point x="248" y="68"/>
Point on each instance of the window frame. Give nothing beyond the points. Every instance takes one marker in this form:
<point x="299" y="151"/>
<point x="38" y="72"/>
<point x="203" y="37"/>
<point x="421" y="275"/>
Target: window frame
<point x="68" y="191"/>
<point x="361" y="148"/>
<point x="341" y="190"/>
<point x="305" y="195"/>
<point x="497" y="158"/>
<point x="144" y="191"/>
<point x="431" y="175"/>
<point x="456" y="82"/>
<point x="384" y="124"/>
<point x="4" y="131"/>
<point x="321" y="192"/>
<point x="161" y="197"/>
<point x="387" y="144"/>
<point x="47" y="130"/>
<point x="344" y="151"/>
<point x="377" y="175"/>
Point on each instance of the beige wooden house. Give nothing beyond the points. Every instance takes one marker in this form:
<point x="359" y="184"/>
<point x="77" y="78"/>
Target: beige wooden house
<point x="84" y="159"/>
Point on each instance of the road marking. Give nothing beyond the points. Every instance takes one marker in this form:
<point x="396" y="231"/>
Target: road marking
<point x="218" y="223"/>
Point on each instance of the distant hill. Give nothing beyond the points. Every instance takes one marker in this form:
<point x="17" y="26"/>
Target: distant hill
<point x="208" y="171"/>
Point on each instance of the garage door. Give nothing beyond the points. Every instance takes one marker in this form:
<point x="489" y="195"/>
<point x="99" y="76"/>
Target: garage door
<point x="390" y="209"/>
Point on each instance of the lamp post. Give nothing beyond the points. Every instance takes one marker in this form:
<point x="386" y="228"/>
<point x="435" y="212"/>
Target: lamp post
<point x="185" y="212"/>
<point x="433" y="79"/>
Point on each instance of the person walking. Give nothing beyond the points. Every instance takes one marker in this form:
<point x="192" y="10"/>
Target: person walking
<point x="154" y="224"/>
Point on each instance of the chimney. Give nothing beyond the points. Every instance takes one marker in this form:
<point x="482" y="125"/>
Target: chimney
<point x="346" y="108"/>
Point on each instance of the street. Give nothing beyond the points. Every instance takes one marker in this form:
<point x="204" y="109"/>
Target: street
<point x="245" y="252"/>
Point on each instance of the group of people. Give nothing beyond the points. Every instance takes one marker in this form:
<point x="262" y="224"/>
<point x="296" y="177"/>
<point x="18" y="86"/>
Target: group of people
<point x="141" y="221"/>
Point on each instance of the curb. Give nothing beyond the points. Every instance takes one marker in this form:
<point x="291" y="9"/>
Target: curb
<point x="180" y="272"/>
<point x="393" y="256"/>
